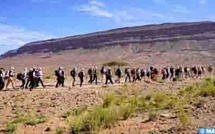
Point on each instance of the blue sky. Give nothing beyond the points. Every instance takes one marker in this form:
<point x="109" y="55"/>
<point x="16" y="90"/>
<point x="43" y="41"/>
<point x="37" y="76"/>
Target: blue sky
<point x="23" y="21"/>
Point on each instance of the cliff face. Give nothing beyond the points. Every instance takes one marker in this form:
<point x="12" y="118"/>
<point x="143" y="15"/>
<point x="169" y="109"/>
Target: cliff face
<point x="197" y="36"/>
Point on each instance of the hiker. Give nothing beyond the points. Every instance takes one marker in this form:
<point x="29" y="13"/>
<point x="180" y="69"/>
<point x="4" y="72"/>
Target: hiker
<point x="171" y="70"/>
<point x="199" y="73"/>
<point x="210" y="70"/>
<point x="27" y="85"/>
<point x="81" y="77"/>
<point x="22" y="77"/>
<point x="118" y="73"/>
<point x="138" y="73"/>
<point x="148" y="74"/>
<point x="9" y="78"/>
<point x="73" y="74"/>
<point x="177" y="74"/>
<point x="90" y="73"/>
<point x="133" y="75"/>
<point x="181" y="72"/>
<point x="102" y="72"/>
<point x="203" y="71"/>
<point x="194" y="72"/>
<point x="167" y="73"/>
<point x="143" y="73"/>
<point x="187" y="72"/>
<point x="60" y="77"/>
<point x="155" y="74"/>
<point x="163" y="73"/>
<point x="32" y="78"/>
<point x="127" y="74"/>
<point x="108" y="75"/>
<point x="2" y="79"/>
<point x="94" y="75"/>
<point x="38" y="77"/>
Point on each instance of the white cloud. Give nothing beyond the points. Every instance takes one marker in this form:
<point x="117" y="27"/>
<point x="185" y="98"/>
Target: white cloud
<point x="96" y="3"/>
<point x="202" y="2"/>
<point x="12" y="37"/>
<point x="181" y="9"/>
<point x="95" y="8"/>
<point x="129" y="16"/>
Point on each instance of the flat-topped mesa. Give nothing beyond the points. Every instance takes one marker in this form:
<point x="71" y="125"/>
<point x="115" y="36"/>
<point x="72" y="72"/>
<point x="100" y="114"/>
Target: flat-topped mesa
<point x="172" y="32"/>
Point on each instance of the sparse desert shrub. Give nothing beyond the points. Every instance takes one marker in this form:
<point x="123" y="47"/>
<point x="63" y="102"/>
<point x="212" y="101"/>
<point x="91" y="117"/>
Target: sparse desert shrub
<point x="207" y="88"/>
<point x="115" y="63"/>
<point x="126" y="111"/>
<point x="19" y="119"/>
<point x="59" y="131"/>
<point x="35" y="120"/>
<point x="183" y="117"/>
<point x="153" y="116"/>
<point x="11" y="127"/>
<point x="108" y="100"/>
<point x="74" y="112"/>
<point x="123" y="105"/>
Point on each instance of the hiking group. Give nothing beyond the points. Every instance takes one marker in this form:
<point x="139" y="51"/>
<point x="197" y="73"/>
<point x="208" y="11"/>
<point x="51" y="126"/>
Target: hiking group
<point x="31" y="78"/>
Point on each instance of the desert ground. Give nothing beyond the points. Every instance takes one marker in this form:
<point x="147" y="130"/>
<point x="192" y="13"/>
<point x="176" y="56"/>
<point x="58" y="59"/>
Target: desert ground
<point x="57" y="111"/>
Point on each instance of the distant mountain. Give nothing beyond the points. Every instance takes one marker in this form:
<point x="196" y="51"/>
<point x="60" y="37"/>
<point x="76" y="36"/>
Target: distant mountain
<point x="143" y="35"/>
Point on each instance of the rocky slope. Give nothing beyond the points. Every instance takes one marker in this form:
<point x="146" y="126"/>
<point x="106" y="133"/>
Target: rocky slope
<point x="174" y="43"/>
<point x="150" y="34"/>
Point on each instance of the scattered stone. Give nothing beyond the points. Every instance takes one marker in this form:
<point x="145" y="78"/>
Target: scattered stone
<point x="47" y="129"/>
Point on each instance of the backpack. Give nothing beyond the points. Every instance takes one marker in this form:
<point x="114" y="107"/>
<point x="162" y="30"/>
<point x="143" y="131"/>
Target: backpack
<point x="80" y="74"/>
<point x="90" y="71"/>
<point x="72" y="73"/>
<point x="108" y="72"/>
<point x="56" y="73"/>
<point x="118" y="71"/>
<point x="156" y="71"/>
<point x="133" y="71"/>
<point x="19" y="76"/>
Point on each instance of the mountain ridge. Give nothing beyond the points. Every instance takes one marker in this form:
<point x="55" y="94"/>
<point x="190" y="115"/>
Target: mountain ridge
<point x="139" y="34"/>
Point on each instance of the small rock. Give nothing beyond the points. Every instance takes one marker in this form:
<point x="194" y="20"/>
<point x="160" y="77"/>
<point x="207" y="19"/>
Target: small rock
<point x="47" y="129"/>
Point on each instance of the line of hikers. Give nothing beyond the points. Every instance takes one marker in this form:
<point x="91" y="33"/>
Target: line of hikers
<point x="30" y="78"/>
<point x="34" y="76"/>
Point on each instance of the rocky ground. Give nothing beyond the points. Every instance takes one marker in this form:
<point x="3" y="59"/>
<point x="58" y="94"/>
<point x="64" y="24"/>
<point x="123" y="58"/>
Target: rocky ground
<point x="54" y="103"/>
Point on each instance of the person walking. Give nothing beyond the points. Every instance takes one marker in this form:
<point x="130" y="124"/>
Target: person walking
<point x="9" y="78"/>
<point x="60" y="77"/>
<point x="108" y="75"/>
<point x="73" y="74"/>
<point x="39" y="77"/>
<point x="2" y="79"/>
<point x="81" y="77"/>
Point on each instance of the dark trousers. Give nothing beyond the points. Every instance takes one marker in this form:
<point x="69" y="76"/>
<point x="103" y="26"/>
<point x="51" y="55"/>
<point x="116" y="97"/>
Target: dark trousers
<point x="134" y="79"/>
<point x="1" y="83"/>
<point x="27" y="85"/>
<point x="81" y="81"/>
<point x="108" y="78"/>
<point x="95" y="78"/>
<point x="32" y="84"/>
<point x="163" y="77"/>
<point x="91" y="79"/>
<point x="39" y="80"/>
<point x="73" y="81"/>
<point x="171" y="76"/>
<point x="23" y="83"/>
<point x="138" y="77"/>
<point x="60" y="81"/>
<point x="128" y="77"/>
